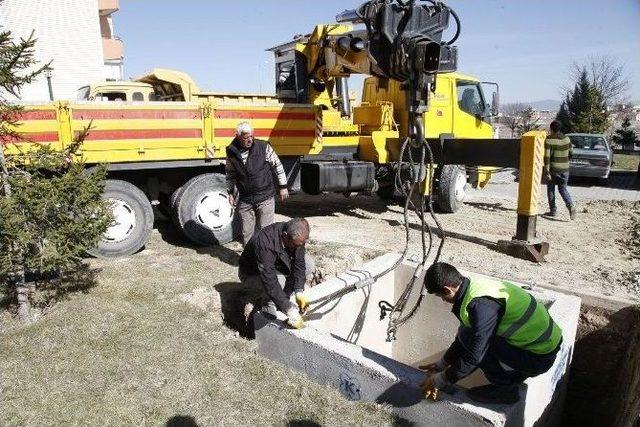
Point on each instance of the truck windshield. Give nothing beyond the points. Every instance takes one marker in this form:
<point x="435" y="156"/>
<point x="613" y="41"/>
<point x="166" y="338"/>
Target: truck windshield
<point x="470" y="99"/>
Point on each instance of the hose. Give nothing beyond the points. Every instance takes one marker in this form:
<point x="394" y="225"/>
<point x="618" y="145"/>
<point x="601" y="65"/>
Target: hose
<point x="401" y="70"/>
<point x="458" y="25"/>
<point x="370" y="280"/>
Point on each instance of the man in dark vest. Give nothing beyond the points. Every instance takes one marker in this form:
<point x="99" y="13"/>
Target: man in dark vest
<point x="504" y="331"/>
<point x="251" y="166"/>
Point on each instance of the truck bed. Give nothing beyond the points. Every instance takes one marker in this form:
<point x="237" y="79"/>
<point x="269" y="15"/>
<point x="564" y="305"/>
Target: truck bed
<point x="165" y="131"/>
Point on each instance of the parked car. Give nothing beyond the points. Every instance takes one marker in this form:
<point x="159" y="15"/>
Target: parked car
<point x="592" y="155"/>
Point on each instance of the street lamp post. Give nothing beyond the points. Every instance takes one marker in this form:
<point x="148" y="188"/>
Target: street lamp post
<point x="47" y="74"/>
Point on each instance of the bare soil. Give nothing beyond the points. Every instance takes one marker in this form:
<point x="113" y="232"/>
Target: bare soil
<point x="156" y="339"/>
<point x="596" y="253"/>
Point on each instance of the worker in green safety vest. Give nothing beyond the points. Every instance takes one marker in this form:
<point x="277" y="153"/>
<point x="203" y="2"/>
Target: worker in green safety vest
<point x="504" y="331"/>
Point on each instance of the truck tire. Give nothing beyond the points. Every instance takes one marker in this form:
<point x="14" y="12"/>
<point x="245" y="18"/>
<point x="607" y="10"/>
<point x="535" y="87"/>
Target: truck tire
<point x="203" y="210"/>
<point x="173" y="203"/>
<point x="133" y="221"/>
<point x="451" y="188"/>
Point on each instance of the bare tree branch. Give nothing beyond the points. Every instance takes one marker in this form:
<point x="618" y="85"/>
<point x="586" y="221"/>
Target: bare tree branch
<point x="512" y="116"/>
<point x="607" y="75"/>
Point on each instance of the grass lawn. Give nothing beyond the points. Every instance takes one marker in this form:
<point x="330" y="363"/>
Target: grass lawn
<point x="625" y="161"/>
<point x="142" y="347"/>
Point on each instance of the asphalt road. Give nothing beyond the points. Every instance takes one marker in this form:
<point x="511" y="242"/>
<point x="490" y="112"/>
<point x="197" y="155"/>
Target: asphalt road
<point x="621" y="185"/>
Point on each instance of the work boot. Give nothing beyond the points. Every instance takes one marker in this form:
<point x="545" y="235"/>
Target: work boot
<point x="503" y="394"/>
<point x="573" y="212"/>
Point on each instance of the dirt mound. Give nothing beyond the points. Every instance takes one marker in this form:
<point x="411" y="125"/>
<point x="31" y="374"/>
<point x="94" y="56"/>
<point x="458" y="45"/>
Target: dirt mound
<point x="633" y="241"/>
<point x="203" y="299"/>
<point x="334" y="258"/>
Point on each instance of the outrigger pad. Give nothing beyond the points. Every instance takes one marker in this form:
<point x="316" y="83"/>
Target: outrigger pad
<point x="529" y="250"/>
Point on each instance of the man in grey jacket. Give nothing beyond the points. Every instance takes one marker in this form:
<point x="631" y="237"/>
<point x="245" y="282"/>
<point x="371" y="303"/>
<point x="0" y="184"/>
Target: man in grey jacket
<point x="250" y="168"/>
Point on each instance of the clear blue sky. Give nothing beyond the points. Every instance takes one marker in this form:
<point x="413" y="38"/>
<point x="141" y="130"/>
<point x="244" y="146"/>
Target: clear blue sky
<point x="526" y="46"/>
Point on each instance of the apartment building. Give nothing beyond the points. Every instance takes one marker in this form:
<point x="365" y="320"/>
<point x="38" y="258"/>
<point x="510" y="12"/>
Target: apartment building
<point x="77" y="36"/>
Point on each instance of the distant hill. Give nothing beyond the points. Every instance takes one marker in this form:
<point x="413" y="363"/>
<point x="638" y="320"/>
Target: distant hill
<point x="546" y="104"/>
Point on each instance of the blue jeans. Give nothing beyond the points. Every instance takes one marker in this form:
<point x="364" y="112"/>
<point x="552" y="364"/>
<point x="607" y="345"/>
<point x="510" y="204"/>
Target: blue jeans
<point x="561" y="180"/>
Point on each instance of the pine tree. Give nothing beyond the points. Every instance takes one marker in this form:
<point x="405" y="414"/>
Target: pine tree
<point x="583" y="109"/>
<point x="563" y="117"/>
<point x="625" y="136"/>
<point x="577" y="100"/>
<point x="51" y="210"/>
<point x="593" y="117"/>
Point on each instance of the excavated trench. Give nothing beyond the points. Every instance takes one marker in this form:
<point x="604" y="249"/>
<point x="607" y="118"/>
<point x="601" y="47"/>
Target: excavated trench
<point x="604" y="378"/>
<point x="604" y="381"/>
<point x="345" y="346"/>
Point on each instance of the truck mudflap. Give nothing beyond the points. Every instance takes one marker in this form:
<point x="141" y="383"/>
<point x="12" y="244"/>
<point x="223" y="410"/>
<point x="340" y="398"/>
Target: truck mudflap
<point x="337" y="176"/>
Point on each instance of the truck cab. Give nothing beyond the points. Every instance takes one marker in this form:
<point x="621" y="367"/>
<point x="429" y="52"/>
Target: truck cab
<point x="124" y="91"/>
<point x="458" y="107"/>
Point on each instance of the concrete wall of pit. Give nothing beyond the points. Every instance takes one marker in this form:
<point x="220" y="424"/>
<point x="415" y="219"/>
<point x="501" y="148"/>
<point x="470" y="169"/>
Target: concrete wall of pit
<point x="345" y="346"/>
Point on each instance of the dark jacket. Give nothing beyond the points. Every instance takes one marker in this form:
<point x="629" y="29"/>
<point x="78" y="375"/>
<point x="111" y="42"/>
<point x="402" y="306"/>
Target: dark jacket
<point x="255" y="177"/>
<point x="266" y="256"/>
<point x="471" y="344"/>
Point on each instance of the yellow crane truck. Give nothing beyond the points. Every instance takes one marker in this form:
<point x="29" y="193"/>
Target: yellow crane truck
<point x="163" y="139"/>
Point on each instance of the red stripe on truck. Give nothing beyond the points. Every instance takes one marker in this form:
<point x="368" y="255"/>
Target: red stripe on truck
<point x="30" y="137"/>
<point x="35" y="115"/>
<point x="267" y="133"/>
<point x="94" y="135"/>
<point x="278" y="115"/>
<point x="136" y="114"/>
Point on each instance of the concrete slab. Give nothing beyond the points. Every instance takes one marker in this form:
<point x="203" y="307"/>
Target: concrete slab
<point x="344" y="346"/>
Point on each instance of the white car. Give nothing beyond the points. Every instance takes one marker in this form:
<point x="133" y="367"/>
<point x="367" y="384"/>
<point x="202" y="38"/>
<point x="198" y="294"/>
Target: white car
<point x="592" y="155"/>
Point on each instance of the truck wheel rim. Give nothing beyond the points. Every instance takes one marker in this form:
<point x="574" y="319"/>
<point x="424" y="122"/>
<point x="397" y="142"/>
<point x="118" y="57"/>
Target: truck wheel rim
<point x="214" y="211"/>
<point x="124" y="221"/>
<point x="461" y="182"/>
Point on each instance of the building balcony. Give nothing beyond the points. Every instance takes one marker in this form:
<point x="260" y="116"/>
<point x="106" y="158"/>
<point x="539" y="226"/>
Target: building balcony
<point x="107" y="7"/>
<point x="112" y="48"/>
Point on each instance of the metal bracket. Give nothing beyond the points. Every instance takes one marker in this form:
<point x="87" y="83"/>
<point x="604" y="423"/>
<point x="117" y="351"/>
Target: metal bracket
<point x="525" y="249"/>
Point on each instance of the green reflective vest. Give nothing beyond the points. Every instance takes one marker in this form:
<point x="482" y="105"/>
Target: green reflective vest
<point x="526" y="323"/>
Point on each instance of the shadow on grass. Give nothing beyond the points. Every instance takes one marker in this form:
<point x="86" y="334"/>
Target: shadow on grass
<point x="302" y="423"/>
<point x="181" y="421"/>
<point x="170" y="234"/>
<point x="47" y="290"/>
<point x="239" y="302"/>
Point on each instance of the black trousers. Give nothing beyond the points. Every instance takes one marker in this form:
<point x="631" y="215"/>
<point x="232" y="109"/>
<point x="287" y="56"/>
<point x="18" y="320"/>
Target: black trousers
<point x="504" y="364"/>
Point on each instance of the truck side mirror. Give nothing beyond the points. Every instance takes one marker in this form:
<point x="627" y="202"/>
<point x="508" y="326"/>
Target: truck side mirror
<point x="495" y="104"/>
<point x="494" y="109"/>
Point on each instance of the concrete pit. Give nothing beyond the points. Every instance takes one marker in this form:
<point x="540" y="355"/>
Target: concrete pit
<point x="344" y="346"/>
